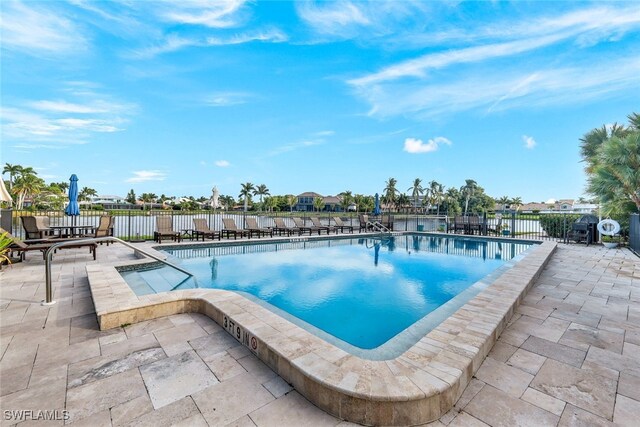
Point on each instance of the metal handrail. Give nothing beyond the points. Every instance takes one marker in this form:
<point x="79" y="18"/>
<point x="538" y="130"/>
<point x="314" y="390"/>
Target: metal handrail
<point x="49" y="254"/>
<point x="378" y="226"/>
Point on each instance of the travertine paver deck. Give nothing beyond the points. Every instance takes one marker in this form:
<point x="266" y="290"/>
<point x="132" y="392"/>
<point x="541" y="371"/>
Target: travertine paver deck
<point x="569" y="356"/>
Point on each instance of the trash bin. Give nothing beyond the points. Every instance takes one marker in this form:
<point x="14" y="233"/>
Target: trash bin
<point x="420" y="227"/>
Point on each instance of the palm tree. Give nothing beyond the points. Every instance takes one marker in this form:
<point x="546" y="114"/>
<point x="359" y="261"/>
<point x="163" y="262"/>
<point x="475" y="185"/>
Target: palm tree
<point x="468" y="190"/>
<point x="402" y="201"/>
<point x="147" y="198"/>
<point x="390" y="191"/>
<point x="261" y="190"/>
<point x="360" y="202"/>
<point x="504" y="201"/>
<point x="615" y="177"/>
<point x="13" y="170"/>
<point x="86" y="193"/>
<point x="318" y="203"/>
<point x="227" y="202"/>
<point x="346" y="198"/>
<point x="270" y="203"/>
<point x="437" y="192"/>
<point x="416" y="191"/>
<point x="517" y="202"/>
<point x="592" y="141"/>
<point x="247" y="189"/>
<point x="291" y="201"/>
<point x="26" y="185"/>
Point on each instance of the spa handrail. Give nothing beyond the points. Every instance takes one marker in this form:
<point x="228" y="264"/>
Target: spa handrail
<point x="48" y="257"/>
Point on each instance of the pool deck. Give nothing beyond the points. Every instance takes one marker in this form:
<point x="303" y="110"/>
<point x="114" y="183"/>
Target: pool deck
<point x="569" y="355"/>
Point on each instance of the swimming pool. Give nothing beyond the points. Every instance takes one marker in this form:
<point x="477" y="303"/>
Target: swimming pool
<point x="360" y="294"/>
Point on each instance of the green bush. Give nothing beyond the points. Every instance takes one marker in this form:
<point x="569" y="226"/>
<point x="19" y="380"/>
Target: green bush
<point x="557" y="225"/>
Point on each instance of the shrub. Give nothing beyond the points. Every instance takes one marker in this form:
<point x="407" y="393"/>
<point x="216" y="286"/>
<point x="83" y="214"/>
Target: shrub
<point x="557" y="225"/>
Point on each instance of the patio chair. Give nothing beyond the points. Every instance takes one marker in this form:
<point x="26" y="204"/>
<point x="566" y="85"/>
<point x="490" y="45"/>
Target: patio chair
<point x="387" y="222"/>
<point x="164" y="228"/>
<point x="301" y="227"/>
<point x="341" y="225"/>
<point x="281" y="227"/>
<point x="460" y="223"/>
<point x="497" y="230"/>
<point x="364" y="223"/>
<point x="473" y="224"/>
<point x="254" y="228"/>
<point x="42" y="245"/>
<point x="317" y="224"/>
<point x="201" y="228"/>
<point x="36" y="227"/>
<point x="230" y="228"/>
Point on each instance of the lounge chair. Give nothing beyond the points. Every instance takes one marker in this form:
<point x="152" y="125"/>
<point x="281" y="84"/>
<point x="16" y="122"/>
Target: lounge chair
<point x="164" y="228"/>
<point x="230" y="228"/>
<point x="281" y="227"/>
<point x="301" y="227"/>
<point x="36" y="227"/>
<point x="254" y="228"/>
<point x="42" y="245"/>
<point x="319" y="226"/>
<point x="341" y="225"/>
<point x="201" y="228"/>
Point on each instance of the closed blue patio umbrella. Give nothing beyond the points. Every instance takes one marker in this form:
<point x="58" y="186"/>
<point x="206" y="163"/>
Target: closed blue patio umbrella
<point x="73" y="209"/>
<point x="376" y="206"/>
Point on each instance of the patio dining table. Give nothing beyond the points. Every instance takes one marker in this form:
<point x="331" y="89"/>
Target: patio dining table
<point x="72" y="230"/>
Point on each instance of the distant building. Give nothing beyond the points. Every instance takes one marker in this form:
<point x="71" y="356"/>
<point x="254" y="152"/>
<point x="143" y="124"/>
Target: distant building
<point x="305" y="201"/>
<point x="558" y="206"/>
<point x="111" y="202"/>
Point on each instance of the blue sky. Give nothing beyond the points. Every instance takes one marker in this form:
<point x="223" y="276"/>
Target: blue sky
<point x="314" y="96"/>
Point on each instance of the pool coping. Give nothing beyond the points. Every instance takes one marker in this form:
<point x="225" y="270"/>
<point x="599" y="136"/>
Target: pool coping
<point x="416" y="387"/>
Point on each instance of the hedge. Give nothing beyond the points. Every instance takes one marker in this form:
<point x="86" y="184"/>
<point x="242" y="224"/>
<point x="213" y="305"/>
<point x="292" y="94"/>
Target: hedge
<point x="557" y="225"/>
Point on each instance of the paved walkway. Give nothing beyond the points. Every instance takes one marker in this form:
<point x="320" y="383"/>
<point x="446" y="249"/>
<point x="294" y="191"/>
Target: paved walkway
<point x="571" y="356"/>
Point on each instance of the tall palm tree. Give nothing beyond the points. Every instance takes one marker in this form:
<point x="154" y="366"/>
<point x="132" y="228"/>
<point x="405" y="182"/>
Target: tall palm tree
<point x="592" y="141"/>
<point x="416" y="191"/>
<point x="261" y="190"/>
<point x="147" y="198"/>
<point x="359" y="200"/>
<point x="227" y="201"/>
<point x="616" y="175"/>
<point x="26" y="185"/>
<point x="468" y="190"/>
<point x="13" y="170"/>
<point x="86" y="193"/>
<point x="390" y="191"/>
<point x="437" y="192"/>
<point x="246" y="191"/>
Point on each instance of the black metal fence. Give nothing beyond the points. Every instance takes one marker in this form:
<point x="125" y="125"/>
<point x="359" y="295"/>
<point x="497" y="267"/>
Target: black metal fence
<point x="634" y="233"/>
<point x="135" y="225"/>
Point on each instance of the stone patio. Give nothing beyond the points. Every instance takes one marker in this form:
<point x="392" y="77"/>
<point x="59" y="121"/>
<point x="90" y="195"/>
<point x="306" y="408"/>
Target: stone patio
<point x="569" y="356"/>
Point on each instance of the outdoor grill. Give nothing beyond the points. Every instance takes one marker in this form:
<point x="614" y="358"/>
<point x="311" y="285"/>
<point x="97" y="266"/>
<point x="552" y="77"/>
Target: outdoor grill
<point x="588" y="224"/>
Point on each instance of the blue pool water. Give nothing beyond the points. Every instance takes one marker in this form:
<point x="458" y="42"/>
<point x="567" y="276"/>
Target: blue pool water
<point x="360" y="291"/>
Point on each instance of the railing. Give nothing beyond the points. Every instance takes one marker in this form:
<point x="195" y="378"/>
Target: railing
<point x="49" y="254"/>
<point x="137" y="225"/>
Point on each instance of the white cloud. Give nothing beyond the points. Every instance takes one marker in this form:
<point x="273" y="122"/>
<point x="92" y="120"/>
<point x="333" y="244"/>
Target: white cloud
<point x="503" y="89"/>
<point x="294" y="146"/>
<point x="331" y="17"/>
<point x="144" y="175"/>
<point x="212" y="14"/>
<point x="325" y="133"/>
<point x="174" y="42"/>
<point x="226" y="99"/>
<point x="68" y="107"/>
<point x="529" y="142"/>
<point x="35" y="30"/>
<point x="414" y="146"/>
<point x="60" y="123"/>
<point x="222" y="163"/>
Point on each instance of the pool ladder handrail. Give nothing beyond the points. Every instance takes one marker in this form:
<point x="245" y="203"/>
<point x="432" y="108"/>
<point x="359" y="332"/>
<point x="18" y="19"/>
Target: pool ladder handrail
<point x="49" y="254"/>
<point x="378" y="226"/>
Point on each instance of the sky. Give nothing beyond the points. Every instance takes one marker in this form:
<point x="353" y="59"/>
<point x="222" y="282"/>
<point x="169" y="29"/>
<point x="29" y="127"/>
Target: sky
<point x="328" y="96"/>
